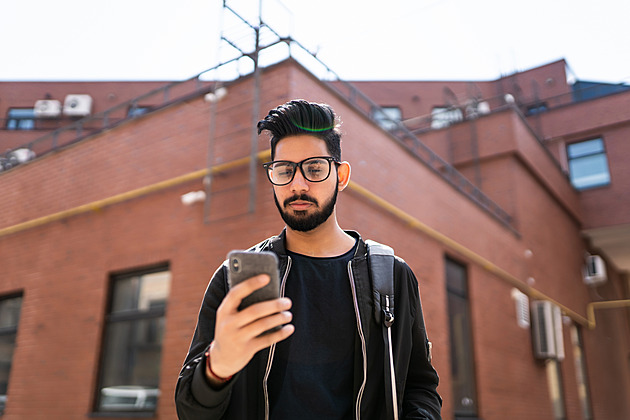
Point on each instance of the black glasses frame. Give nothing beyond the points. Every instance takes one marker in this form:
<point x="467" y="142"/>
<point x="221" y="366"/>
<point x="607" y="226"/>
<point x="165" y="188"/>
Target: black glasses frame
<point x="294" y="165"/>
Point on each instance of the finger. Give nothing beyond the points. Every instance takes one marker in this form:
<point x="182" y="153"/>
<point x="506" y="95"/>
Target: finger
<point x="262" y="325"/>
<point x="239" y="292"/>
<point x="266" y="340"/>
<point x="256" y="312"/>
<point x="266" y="308"/>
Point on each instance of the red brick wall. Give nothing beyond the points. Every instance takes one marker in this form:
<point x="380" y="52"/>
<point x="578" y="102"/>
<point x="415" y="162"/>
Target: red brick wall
<point x="104" y="94"/>
<point x="607" y="206"/>
<point x="418" y="98"/>
<point x="63" y="267"/>
<point x="607" y="118"/>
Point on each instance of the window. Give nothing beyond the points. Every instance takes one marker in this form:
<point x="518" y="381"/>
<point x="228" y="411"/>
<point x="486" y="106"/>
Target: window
<point x="136" y="111"/>
<point x="588" y="165"/>
<point x="442" y="117"/>
<point x="132" y="348"/>
<point x="538" y="108"/>
<point x="556" y="389"/>
<point x="9" y="318"/>
<point x="462" y="360"/>
<point x="21" y="119"/>
<point x="387" y="116"/>
<point x="584" y="392"/>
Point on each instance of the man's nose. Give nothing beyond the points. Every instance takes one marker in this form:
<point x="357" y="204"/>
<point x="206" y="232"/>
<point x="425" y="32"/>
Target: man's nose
<point x="299" y="183"/>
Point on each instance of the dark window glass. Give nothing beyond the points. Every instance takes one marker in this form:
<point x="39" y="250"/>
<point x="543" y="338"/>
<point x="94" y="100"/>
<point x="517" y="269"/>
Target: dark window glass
<point x="537" y="109"/>
<point x="21" y="119"/>
<point x="588" y="164"/>
<point x="138" y="110"/>
<point x="462" y="359"/>
<point x="132" y="349"/>
<point x="9" y="319"/>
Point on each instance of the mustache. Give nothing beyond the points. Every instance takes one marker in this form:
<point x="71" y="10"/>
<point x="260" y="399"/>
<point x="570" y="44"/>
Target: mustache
<point x="301" y="197"/>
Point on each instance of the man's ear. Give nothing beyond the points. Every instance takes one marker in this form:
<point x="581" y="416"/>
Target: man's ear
<point x="343" y="175"/>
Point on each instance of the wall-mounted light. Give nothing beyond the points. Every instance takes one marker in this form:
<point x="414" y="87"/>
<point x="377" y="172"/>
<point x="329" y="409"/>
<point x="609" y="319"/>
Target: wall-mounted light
<point x="193" y="197"/>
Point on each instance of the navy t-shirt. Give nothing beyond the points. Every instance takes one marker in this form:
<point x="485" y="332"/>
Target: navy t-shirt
<point x="312" y="372"/>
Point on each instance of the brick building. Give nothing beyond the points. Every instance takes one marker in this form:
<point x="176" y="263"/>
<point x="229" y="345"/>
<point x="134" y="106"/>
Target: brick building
<point x="498" y="194"/>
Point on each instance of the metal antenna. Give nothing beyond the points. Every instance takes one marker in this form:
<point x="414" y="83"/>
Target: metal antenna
<point x="253" y="161"/>
<point x="237" y="38"/>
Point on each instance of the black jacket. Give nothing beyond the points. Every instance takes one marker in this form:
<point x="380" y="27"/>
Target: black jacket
<point x="243" y="398"/>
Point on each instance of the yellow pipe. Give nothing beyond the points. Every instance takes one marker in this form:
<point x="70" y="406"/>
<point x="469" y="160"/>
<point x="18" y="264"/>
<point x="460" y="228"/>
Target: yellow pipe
<point x="589" y="321"/>
<point x="402" y="215"/>
<point x="119" y="198"/>
<point x="590" y="308"/>
<point x="467" y="253"/>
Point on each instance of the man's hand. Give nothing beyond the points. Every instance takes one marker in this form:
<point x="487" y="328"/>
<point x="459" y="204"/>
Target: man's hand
<point x="238" y="334"/>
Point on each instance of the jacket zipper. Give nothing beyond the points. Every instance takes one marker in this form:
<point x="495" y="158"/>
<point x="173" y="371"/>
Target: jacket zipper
<point x="389" y="320"/>
<point x="361" y="335"/>
<point x="272" y="349"/>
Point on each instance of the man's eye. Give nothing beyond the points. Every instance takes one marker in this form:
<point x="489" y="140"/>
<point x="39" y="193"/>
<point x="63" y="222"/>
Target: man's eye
<point x="315" y="168"/>
<point x="284" y="171"/>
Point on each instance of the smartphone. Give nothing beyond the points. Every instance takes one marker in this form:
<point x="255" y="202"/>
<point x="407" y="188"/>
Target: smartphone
<point x="243" y="265"/>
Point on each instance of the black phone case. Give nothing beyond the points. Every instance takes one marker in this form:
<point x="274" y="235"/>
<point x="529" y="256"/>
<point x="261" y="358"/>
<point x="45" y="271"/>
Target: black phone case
<point x="243" y="265"/>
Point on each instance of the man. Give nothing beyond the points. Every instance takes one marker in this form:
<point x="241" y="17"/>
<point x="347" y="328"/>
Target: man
<point x="327" y="359"/>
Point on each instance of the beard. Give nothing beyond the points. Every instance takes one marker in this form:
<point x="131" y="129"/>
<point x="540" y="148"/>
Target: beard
<point x="300" y="220"/>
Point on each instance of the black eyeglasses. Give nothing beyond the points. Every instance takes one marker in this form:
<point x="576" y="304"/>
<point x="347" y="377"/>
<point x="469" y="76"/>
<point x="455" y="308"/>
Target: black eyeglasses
<point x="314" y="169"/>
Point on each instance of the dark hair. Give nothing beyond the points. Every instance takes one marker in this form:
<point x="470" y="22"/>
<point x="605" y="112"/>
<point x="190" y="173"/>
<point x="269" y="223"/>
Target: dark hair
<point x="302" y="117"/>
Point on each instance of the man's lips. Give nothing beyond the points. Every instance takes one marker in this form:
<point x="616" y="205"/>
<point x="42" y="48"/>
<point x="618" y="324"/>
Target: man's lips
<point x="300" y="202"/>
<point x="300" y="205"/>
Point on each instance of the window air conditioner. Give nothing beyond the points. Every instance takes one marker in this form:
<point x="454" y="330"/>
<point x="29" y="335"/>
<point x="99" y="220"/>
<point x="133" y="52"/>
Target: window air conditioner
<point x="47" y="108"/>
<point x="594" y="273"/>
<point x="77" y="105"/>
<point x="547" y="330"/>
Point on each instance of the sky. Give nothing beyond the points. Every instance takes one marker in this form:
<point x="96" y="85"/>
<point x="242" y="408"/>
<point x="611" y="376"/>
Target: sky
<point x="358" y="39"/>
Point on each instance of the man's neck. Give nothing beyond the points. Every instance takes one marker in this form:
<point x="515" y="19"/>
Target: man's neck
<point x="326" y="240"/>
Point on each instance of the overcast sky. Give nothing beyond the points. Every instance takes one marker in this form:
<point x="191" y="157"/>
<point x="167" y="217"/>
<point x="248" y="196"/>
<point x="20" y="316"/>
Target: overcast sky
<point x="358" y="39"/>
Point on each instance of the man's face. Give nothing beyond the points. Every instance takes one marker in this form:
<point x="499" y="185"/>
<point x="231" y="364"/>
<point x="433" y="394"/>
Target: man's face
<point x="305" y="205"/>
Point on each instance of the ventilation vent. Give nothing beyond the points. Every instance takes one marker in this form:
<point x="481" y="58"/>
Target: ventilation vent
<point x="522" y="308"/>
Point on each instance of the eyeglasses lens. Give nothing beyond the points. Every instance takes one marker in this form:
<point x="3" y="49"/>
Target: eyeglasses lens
<point x="282" y="172"/>
<point x="314" y="170"/>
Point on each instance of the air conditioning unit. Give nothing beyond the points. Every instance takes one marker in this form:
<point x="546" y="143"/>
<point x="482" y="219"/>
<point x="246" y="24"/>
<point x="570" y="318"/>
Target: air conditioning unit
<point x="594" y="272"/>
<point x="47" y="108"/>
<point x="77" y="105"/>
<point x="547" y="330"/>
<point x="21" y="155"/>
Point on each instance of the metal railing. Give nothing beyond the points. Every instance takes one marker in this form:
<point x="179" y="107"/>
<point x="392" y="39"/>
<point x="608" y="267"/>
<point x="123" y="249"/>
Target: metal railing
<point x="178" y="91"/>
<point x="408" y="139"/>
<point x="76" y="130"/>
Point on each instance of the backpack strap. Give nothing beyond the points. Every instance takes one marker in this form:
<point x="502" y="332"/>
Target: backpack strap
<point x="381" y="262"/>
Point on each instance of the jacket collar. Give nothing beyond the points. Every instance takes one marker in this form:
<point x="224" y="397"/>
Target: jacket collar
<point x="277" y="243"/>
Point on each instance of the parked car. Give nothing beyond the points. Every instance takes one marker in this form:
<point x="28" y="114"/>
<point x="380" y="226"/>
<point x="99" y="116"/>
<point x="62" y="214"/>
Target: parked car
<point x="129" y="398"/>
